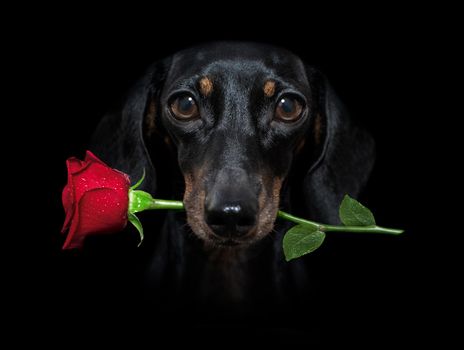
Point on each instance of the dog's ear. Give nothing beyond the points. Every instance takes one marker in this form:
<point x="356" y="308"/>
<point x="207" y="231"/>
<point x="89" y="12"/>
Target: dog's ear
<point x="119" y="139"/>
<point x="345" y="158"/>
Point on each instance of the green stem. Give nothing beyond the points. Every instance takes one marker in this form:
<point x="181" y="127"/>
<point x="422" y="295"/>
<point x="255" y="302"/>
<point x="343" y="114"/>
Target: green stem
<point x="361" y="229"/>
<point x="286" y="216"/>
<point x="333" y="228"/>
<point x="166" y="204"/>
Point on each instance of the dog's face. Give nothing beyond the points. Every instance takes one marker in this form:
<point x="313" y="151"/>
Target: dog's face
<point x="236" y="117"/>
<point x="238" y="114"/>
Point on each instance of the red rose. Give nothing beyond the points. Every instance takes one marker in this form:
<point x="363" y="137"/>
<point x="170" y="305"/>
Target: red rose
<point x="95" y="199"/>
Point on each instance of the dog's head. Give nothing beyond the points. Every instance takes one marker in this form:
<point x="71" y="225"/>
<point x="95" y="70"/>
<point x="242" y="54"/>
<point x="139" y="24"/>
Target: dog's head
<point x="237" y="115"/>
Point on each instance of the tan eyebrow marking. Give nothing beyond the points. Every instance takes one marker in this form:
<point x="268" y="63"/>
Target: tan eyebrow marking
<point x="206" y="86"/>
<point x="269" y="88"/>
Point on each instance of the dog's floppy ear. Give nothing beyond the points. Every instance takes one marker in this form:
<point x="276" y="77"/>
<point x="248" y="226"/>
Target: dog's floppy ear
<point x="346" y="157"/>
<point x="119" y="140"/>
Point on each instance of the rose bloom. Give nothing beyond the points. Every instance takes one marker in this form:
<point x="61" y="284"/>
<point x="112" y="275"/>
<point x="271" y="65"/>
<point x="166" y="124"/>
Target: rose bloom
<point x="95" y="200"/>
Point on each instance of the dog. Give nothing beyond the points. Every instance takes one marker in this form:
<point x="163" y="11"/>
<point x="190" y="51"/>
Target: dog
<point x="239" y="131"/>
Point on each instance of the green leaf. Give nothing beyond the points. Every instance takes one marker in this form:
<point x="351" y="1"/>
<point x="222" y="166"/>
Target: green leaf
<point x="138" y="225"/>
<point x="301" y="240"/>
<point x="353" y="213"/>
<point x="140" y="201"/>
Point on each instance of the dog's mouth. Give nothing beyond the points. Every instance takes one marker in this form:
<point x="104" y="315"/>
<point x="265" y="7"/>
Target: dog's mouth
<point x="237" y="233"/>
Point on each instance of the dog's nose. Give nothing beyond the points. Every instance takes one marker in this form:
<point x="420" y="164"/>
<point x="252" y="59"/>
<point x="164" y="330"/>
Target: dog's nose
<point x="231" y="203"/>
<point x="230" y="219"/>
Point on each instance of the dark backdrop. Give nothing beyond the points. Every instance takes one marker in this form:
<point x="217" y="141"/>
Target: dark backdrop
<point x="371" y="289"/>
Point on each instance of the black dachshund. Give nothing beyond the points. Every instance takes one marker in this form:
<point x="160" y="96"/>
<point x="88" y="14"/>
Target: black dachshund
<point x="238" y="130"/>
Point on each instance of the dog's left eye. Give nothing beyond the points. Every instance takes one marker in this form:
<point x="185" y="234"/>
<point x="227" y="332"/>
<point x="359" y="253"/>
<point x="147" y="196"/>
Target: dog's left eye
<point x="184" y="107"/>
<point x="288" y="109"/>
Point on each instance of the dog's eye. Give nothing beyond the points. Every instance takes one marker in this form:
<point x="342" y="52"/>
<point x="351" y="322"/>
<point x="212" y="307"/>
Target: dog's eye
<point x="184" y="107"/>
<point x="288" y="109"/>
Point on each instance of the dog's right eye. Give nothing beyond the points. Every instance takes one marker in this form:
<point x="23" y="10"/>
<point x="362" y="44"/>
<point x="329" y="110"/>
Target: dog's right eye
<point x="288" y="109"/>
<point x="184" y="107"/>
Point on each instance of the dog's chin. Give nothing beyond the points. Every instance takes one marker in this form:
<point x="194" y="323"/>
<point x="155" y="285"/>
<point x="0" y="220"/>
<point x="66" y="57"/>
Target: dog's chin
<point x="230" y="243"/>
<point x="242" y="242"/>
<point x="205" y="234"/>
<point x="213" y="241"/>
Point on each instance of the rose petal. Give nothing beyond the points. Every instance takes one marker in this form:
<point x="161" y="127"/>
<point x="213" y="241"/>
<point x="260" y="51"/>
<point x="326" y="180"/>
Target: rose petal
<point x="68" y="206"/>
<point x="90" y="157"/>
<point x="103" y="210"/>
<point x="124" y="175"/>
<point x="95" y="199"/>
<point x="96" y="175"/>
<point x="73" y="240"/>
<point x="100" y="211"/>
<point x="74" y="165"/>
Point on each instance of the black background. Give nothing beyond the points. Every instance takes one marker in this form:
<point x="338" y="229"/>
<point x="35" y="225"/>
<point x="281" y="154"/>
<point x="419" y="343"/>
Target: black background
<point x="371" y="289"/>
